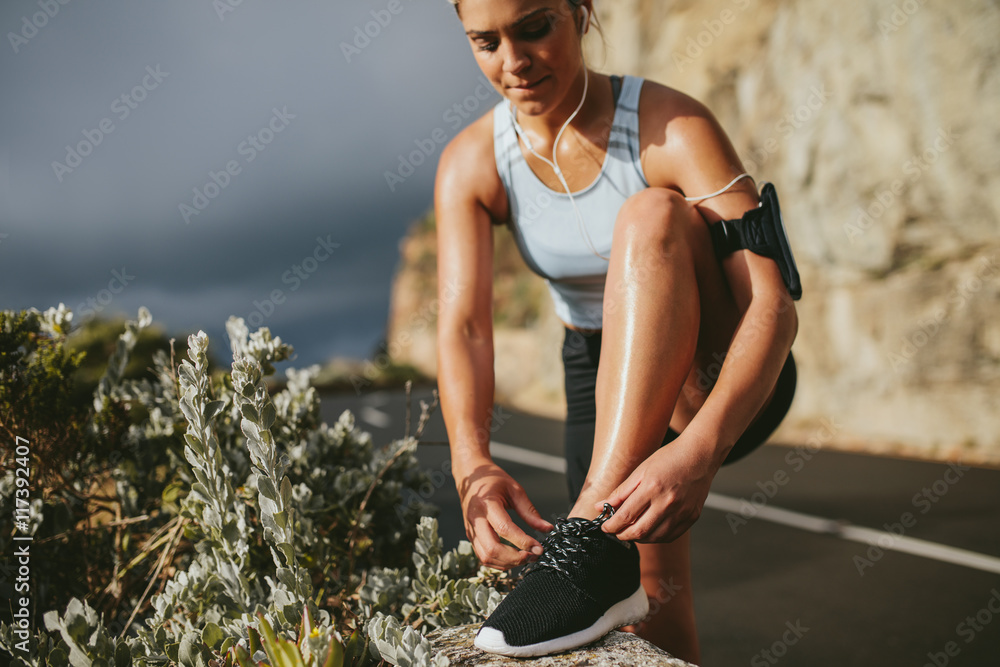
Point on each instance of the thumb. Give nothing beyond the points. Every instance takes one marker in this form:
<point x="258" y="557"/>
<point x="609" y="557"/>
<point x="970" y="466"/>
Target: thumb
<point x="528" y="512"/>
<point x="616" y="498"/>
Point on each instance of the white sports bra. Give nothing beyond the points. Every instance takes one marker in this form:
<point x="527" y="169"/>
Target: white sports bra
<point x="544" y="224"/>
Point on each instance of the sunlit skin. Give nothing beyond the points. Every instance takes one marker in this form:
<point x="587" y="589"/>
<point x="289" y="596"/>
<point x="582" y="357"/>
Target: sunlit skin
<point x="668" y="306"/>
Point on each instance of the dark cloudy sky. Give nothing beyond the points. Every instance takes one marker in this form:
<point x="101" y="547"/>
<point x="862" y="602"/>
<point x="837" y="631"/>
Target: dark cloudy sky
<point x="154" y="98"/>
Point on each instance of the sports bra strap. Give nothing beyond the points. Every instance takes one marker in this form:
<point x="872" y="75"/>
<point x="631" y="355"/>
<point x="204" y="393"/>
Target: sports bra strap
<point x="616" y="87"/>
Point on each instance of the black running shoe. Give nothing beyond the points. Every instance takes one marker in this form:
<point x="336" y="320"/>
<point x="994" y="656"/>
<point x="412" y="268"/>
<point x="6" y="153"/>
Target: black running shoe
<point x="584" y="585"/>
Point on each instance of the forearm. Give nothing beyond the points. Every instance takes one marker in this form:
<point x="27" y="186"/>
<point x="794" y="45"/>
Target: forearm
<point x="466" y="387"/>
<point x="751" y="368"/>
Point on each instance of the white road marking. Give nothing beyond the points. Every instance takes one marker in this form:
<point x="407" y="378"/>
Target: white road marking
<point x="807" y="522"/>
<point x="375" y="417"/>
<point x="377" y="398"/>
<point x="527" y="457"/>
<point x="869" y="536"/>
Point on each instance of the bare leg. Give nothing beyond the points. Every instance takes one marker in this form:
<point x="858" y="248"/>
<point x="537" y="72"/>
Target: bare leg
<point x="667" y="308"/>
<point x="668" y="312"/>
<point x="666" y="576"/>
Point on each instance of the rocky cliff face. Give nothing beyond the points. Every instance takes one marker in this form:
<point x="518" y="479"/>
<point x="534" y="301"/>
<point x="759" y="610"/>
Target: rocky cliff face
<point x="876" y="123"/>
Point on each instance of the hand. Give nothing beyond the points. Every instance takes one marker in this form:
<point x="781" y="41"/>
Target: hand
<point x="664" y="495"/>
<point x="487" y="494"/>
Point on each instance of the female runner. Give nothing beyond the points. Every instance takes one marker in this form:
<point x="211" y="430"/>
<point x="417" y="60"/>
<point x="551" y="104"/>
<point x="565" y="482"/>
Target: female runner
<point x="609" y="186"/>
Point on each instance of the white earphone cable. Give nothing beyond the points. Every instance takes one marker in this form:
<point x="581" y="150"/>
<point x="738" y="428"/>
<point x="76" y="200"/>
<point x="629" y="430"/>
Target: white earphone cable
<point x="554" y="163"/>
<point x="719" y="192"/>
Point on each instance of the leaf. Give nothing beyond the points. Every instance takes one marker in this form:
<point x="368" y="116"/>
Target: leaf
<point x="250" y="429"/>
<point x="189" y="412"/>
<point x="270" y="640"/>
<point x="335" y="656"/>
<point x="267" y="415"/>
<point x="189" y="651"/>
<point x="123" y="656"/>
<point x="254" y="637"/>
<point x="249" y="412"/>
<point x="213" y="409"/>
<point x="243" y="657"/>
<point x="266" y="487"/>
<point x="171" y="492"/>
<point x="286" y="493"/>
<point x="51" y="619"/>
<point x="286" y="577"/>
<point x="212" y="635"/>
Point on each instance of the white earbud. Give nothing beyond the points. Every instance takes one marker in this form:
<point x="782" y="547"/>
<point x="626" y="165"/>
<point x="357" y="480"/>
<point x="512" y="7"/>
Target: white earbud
<point x="586" y="20"/>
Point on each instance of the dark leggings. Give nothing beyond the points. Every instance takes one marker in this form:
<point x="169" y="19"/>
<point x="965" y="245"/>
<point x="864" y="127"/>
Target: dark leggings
<point x="582" y="351"/>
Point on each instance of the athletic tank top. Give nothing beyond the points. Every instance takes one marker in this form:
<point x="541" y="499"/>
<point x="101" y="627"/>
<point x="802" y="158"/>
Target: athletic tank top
<point x="542" y="221"/>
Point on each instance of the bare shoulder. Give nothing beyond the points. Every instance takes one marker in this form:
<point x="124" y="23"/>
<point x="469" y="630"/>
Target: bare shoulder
<point x="682" y="144"/>
<point x="467" y="169"/>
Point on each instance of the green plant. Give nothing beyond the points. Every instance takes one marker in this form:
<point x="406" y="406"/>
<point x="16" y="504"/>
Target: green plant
<point x="246" y="530"/>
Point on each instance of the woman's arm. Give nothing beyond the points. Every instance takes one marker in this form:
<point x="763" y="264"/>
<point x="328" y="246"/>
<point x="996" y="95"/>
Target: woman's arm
<point x="466" y="187"/>
<point x="688" y="151"/>
<point x="698" y="157"/>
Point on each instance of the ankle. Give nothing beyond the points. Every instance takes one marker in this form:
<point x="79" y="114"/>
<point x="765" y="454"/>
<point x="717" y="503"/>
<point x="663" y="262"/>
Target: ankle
<point x="586" y="504"/>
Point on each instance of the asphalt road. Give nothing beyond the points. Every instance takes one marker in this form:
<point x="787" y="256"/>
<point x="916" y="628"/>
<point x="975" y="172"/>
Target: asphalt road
<point x="802" y="556"/>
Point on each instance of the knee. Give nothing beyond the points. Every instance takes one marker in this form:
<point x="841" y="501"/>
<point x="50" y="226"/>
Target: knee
<point x="655" y="217"/>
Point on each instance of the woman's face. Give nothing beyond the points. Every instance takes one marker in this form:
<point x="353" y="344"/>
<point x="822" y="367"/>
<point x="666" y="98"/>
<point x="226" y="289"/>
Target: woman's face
<point x="528" y="49"/>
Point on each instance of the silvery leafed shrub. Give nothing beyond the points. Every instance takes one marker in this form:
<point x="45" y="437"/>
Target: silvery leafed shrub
<point x="299" y="546"/>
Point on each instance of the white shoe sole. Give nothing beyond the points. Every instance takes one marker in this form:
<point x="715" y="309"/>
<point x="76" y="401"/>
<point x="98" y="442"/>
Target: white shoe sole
<point x="630" y="610"/>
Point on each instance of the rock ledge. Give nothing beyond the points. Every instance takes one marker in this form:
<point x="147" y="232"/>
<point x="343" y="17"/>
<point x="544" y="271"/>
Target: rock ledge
<point x="616" y="649"/>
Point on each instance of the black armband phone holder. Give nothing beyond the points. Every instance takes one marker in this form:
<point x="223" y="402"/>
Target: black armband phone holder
<point x="761" y="231"/>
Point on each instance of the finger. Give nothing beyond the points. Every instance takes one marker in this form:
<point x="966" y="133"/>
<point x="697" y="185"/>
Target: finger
<point x="508" y="530"/>
<point x="617" y="499"/>
<point x="528" y="512"/>
<point x="491" y="551"/>
<point x="631" y="512"/>
<point x="630" y="506"/>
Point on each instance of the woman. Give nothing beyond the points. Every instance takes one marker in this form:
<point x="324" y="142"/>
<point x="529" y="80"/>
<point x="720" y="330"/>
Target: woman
<point x="664" y="343"/>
